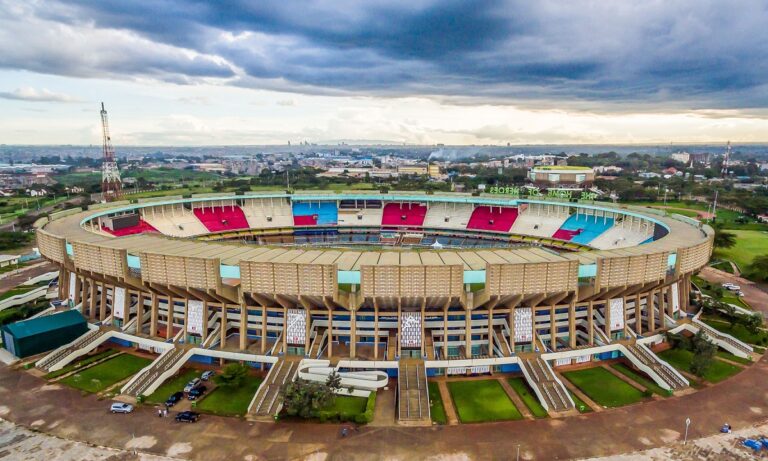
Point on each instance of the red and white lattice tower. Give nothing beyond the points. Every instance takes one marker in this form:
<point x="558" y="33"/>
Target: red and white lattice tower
<point x="111" y="184"/>
<point x="726" y="161"/>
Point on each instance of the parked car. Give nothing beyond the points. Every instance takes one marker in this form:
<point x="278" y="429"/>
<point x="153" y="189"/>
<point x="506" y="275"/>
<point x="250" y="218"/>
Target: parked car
<point x="187" y="417"/>
<point x="119" y="407"/>
<point x="191" y="385"/>
<point x="197" y="392"/>
<point x="174" y="399"/>
<point x="207" y="375"/>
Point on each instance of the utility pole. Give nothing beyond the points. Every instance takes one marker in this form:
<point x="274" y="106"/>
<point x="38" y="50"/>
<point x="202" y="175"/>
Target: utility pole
<point x="111" y="184"/>
<point x="714" y="208"/>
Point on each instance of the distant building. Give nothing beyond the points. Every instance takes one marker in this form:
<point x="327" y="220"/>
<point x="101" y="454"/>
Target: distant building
<point x="682" y="157"/>
<point x="548" y="176"/>
<point x="9" y="260"/>
<point x="420" y="170"/>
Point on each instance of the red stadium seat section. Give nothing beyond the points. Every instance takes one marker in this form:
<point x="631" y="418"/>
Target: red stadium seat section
<point x="306" y="220"/>
<point x="222" y="218"/>
<point x="564" y="234"/>
<point x="499" y="219"/>
<point x="404" y="214"/>
<point x="140" y="228"/>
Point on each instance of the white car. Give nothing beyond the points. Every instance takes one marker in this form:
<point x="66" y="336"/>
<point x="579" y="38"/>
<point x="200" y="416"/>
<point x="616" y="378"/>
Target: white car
<point x="207" y="375"/>
<point x="119" y="407"/>
<point x="191" y="385"/>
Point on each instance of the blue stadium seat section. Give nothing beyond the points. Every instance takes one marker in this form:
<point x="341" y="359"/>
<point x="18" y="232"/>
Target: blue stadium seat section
<point x="588" y="227"/>
<point x="319" y="213"/>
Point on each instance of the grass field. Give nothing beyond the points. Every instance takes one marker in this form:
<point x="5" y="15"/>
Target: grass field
<point x="436" y="407"/>
<point x="528" y="397"/>
<point x="603" y="387"/>
<point x="106" y="374"/>
<point x="640" y="379"/>
<point x="681" y="359"/>
<point x="749" y="243"/>
<point x="479" y="401"/>
<point x="171" y="385"/>
<point x="737" y="331"/>
<point x="230" y="402"/>
<point x="87" y="360"/>
<point x="347" y="404"/>
<point x="580" y="404"/>
<point x="734" y="358"/>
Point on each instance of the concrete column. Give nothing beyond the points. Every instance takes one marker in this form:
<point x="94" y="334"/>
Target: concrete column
<point x="352" y="334"/>
<point x="607" y="315"/>
<point x="153" y="316"/>
<point x="63" y="284"/>
<point x="243" y="327"/>
<point x="169" y="323"/>
<point x="285" y="330"/>
<point x="397" y="336"/>
<point x="184" y="327"/>
<point x="205" y="320"/>
<point x="445" y="332"/>
<point x="490" y="332"/>
<point x="591" y="322"/>
<point x="375" y="330"/>
<point x="223" y="330"/>
<point x="423" y="330"/>
<point x="511" y="321"/>
<point x="468" y="332"/>
<point x="308" y="332"/>
<point x="92" y="302"/>
<point x="638" y="315"/>
<point x="330" y="333"/>
<point x="103" y="302"/>
<point x="552" y="329"/>
<point x="263" y="329"/>
<point x="572" y="323"/>
<point x="79" y="293"/>
<point x="651" y="306"/>
<point x="139" y="310"/>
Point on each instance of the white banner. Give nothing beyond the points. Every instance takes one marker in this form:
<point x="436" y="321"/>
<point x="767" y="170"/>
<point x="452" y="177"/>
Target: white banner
<point x="617" y="314"/>
<point x="563" y="361"/>
<point x="410" y="329"/>
<point x="675" y="298"/>
<point x="72" y="286"/>
<point x="118" y="303"/>
<point x="195" y="317"/>
<point x="297" y="327"/>
<point x="523" y="325"/>
<point x="583" y="358"/>
<point x="471" y="370"/>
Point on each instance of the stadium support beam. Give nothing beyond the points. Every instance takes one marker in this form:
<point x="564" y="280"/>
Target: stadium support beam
<point x="375" y="329"/>
<point x="353" y="333"/>
<point x="206" y="314"/>
<point x="591" y="322"/>
<point x="552" y="328"/>
<point x="468" y="333"/>
<point x="243" y="326"/>
<point x="153" y="314"/>
<point x="264" y="318"/>
<point x="445" y="329"/>
<point x="572" y="322"/>
<point x="638" y="315"/>
<point x="103" y="302"/>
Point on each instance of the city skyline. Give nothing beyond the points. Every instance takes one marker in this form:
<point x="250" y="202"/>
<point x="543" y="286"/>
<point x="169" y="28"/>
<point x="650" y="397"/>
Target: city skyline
<point x="190" y="73"/>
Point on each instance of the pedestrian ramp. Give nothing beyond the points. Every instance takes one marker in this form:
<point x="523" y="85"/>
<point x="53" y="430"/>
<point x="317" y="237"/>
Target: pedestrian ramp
<point x="725" y="341"/>
<point x="65" y="354"/>
<point x="412" y="392"/>
<point x="268" y="401"/>
<point x="660" y="371"/>
<point x="146" y="381"/>
<point x="546" y="385"/>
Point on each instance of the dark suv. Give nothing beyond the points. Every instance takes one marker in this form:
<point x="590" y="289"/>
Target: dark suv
<point x="174" y="399"/>
<point x="197" y="392"/>
<point x="187" y="417"/>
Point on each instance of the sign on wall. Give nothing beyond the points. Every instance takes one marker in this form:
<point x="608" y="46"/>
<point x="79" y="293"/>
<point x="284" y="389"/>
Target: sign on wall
<point x="195" y="317"/>
<point x="675" y="298"/>
<point x="410" y="329"/>
<point x="118" y="303"/>
<point x="617" y="314"/>
<point x="72" y="286"/>
<point x="523" y="325"/>
<point x="297" y="327"/>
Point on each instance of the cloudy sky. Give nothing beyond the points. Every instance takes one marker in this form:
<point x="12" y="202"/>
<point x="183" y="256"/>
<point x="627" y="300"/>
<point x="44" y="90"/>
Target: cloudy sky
<point x="194" y="72"/>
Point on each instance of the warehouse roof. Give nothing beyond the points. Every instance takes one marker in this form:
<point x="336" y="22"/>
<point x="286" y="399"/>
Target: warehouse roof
<point x="32" y="327"/>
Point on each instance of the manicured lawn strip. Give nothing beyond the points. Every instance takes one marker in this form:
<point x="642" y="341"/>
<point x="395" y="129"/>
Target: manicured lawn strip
<point x="681" y="359"/>
<point x="171" y="385"/>
<point x="528" y="397"/>
<point x="348" y="404"/>
<point x="80" y="363"/>
<point x="580" y="404"/>
<point x="106" y="374"/>
<point x="734" y="358"/>
<point x="230" y="402"/>
<point x="436" y="407"/>
<point x="478" y="401"/>
<point x="749" y="243"/>
<point x="603" y="387"/>
<point x="737" y="331"/>
<point x="16" y="291"/>
<point x="640" y="379"/>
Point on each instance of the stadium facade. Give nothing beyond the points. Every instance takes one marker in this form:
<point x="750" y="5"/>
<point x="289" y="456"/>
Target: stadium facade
<point x="453" y="283"/>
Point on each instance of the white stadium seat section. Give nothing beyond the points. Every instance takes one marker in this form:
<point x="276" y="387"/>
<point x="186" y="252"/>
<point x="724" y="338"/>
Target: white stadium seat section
<point x="173" y="220"/>
<point x="540" y="220"/>
<point x="368" y="217"/>
<point x="457" y="213"/>
<point x="629" y="232"/>
<point x="264" y="213"/>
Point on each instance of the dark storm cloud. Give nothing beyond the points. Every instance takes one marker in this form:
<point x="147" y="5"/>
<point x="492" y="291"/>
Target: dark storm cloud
<point x="703" y="54"/>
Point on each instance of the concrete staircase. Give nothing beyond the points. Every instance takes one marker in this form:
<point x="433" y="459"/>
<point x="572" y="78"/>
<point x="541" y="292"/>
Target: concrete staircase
<point x="429" y="345"/>
<point x="149" y="379"/>
<point x="500" y="341"/>
<point x="65" y="354"/>
<point x="317" y="343"/>
<point x="727" y="342"/>
<point x="412" y="392"/>
<point x="548" y="388"/>
<point x="267" y="402"/>
<point x="669" y="375"/>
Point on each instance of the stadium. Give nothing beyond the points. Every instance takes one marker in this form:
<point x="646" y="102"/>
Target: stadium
<point x="411" y="285"/>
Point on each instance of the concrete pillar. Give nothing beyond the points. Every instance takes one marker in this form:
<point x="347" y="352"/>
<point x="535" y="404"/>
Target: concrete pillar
<point x="92" y="302"/>
<point x="468" y="332"/>
<point x="169" y="323"/>
<point x="153" y="316"/>
<point x="490" y="332"/>
<point x="552" y="329"/>
<point x="308" y="331"/>
<point x="423" y="330"/>
<point x="352" y="334"/>
<point x="638" y="315"/>
<point x="591" y="322"/>
<point x="375" y="330"/>
<point x="511" y="321"/>
<point x="243" y="327"/>
<point x="285" y="330"/>
<point x="103" y="302"/>
<point x="572" y="323"/>
<point x="445" y="332"/>
<point x="397" y="337"/>
<point x="79" y="293"/>
<point x="223" y="330"/>
<point x="651" y="306"/>
<point x="205" y="320"/>
<point x="607" y="315"/>
<point x="263" y="329"/>
<point x="330" y="333"/>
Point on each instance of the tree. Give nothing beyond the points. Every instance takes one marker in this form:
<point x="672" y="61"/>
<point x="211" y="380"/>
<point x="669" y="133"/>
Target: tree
<point x="333" y="382"/>
<point x="305" y="398"/>
<point x="730" y="312"/>
<point x="724" y="239"/>
<point x="753" y="322"/>
<point x="758" y="269"/>
<point x="703" y="353"/>
<point x="233" y="375"/>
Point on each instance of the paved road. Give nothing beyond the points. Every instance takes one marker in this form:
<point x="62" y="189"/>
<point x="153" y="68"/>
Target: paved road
<point x="64" y="412"/>
<point x="29" y="272"/>
<point x="753" y="293"/>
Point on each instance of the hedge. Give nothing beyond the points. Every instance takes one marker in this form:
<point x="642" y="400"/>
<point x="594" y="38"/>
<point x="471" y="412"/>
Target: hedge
<point x="364" y="417"/>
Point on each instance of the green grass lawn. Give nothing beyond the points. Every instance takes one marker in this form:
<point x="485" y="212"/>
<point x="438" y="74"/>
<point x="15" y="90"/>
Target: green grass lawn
<point x="528" y="397"/>
<point x="738" y="331"/>
<point x="106" y="374"/>
<point x="348" y="404"/>
<point x="734" y="358"/>
<point x="603" y="387"/>
<point x="87" y="360"/>
<point x="436" y="407"/>
<point x="580" y="404"/>
<point x="640" y="379"/>
<point x="749" y="243"/>
<point x="231" y="402"/>
<point x="171" y="385"/>
<point x="16" y="291"/>
<point x="681" y="359"/>
<point x="478" y="401"/>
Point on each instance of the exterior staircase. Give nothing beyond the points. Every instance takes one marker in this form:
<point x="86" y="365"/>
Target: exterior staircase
<point x="727" y="342"/>
<point x="147" y="380"/>
<point x="500" y="341"/>
<point x="68" y="352"/>
<point x="412" y="392"/>
<point x="321" y="335"/>
<point x="548" y="388"/>
<point x="267" y="402"/>
<point x="669" y="375"/>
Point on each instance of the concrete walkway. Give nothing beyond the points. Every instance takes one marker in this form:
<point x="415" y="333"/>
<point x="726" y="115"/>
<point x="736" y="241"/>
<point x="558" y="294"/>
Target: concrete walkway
<point x="450" y="410"/>
<point x="584" y="397"/>
<point x="754" y="295"/>
<point x="521" y="406"/>
<point x="624" y="378"/>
